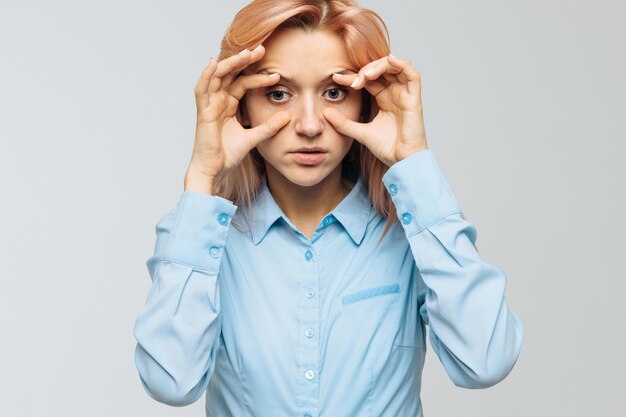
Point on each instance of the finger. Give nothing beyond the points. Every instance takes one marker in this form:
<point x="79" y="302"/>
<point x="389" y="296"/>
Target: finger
<point x="248" y="82"/>
<point x="374" y="87"/>
<point x="228" y="67"/>
<point x="346" y="126"/>
<point x="373" y="71"/>
<point x="255" y="55"/>
<point x="391" y="78"/>
<point x="408" y="73"/>
<point x="203" y="83"/>
<point x="268" y="129"/>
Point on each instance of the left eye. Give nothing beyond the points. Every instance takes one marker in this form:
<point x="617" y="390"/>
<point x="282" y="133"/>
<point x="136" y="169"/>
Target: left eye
<point x="336" y="94"/>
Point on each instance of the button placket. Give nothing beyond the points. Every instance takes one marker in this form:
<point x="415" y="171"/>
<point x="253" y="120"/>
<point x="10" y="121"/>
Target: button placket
<point x="309" y="323"/>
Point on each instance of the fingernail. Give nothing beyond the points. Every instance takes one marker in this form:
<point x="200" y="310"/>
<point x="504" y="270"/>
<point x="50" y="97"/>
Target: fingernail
<point x="242" y="52"/>
<point x="356" y="81"/>
<point x="258" y="46"/>
<point x="393" y="56"/>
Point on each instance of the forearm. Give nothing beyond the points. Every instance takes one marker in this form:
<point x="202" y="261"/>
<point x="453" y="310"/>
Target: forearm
<point x="178" y="329"/>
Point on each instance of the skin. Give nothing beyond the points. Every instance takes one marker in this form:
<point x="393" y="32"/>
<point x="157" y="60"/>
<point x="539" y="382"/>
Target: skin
<point x="306" y="115"/>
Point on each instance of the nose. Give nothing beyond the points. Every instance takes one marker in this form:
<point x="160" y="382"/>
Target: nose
<point x="309" y="120"/>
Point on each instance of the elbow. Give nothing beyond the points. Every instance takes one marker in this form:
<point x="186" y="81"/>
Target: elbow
<point x="163" y="386"/>
<point x="170" y="394"/>
<point x="495" y="366"/>
<point x="483" y="378"/>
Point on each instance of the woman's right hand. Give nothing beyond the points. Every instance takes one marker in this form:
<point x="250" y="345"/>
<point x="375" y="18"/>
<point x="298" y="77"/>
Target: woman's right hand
<point x="221" y="142"/>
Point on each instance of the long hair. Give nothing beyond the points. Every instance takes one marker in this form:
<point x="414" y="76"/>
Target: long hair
<point x="365" y="38"/>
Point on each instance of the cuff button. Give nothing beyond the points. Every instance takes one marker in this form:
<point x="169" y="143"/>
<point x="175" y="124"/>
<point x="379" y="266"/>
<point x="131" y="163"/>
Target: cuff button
<point x="214" y="251"/>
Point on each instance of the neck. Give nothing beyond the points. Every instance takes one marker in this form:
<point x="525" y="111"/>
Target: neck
<point x="307" y="204"/>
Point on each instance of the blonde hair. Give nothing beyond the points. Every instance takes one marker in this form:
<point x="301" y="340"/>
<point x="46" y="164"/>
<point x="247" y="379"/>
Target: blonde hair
<point x="365" y="37"/>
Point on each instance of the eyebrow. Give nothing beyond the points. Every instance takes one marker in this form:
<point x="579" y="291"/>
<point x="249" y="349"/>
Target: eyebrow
<point x="288" y="80"/>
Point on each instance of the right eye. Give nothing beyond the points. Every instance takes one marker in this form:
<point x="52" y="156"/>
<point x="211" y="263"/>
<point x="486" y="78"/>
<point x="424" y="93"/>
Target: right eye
<point x="277" y="96"/>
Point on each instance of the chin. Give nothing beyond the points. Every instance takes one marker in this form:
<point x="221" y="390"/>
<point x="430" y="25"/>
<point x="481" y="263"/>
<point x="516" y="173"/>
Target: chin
<point x="306" y="179"/>
<point x="305" y="176"/>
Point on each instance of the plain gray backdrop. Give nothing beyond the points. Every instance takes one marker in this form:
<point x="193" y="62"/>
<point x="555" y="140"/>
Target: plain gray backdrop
<point x="524" y="105"/>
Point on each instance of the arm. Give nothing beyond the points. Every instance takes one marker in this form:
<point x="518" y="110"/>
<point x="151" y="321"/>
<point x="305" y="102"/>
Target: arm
<point x="179" y="327"/>
<point x="472" y="330"/>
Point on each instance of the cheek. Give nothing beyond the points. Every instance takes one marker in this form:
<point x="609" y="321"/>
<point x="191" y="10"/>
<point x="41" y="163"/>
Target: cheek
<point x="257" y="108"/>
<point x="351" y="107"/>
<point x="267" y="148"/>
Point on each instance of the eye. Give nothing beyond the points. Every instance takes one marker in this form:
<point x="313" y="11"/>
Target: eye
<point x="277" y="96"/>
<point x="336" y="94"/>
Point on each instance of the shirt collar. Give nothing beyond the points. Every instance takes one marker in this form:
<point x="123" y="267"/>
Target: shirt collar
<point x="352" y="212"/>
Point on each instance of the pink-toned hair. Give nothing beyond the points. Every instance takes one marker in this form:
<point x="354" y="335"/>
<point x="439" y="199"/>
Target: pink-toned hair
<point x="365" y="37"/>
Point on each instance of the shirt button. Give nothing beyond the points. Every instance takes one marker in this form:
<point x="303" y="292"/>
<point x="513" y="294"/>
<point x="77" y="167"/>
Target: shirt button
<point x="214" y="251"/>
<point x="309" y="293"/>
<point x="407" y="218"/>
<point x="308" y="255"/>
<point x="309" y="374"/>
<point x="309" y="332"/>
<point x="326" y="221"/>
<point x="223" y="219"/>
<point x="393" y="189"/>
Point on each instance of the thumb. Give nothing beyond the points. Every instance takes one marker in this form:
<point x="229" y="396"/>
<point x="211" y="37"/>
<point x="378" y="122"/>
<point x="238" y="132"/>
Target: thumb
<point x="346" y="126"/>
<point x="268" y="129"/>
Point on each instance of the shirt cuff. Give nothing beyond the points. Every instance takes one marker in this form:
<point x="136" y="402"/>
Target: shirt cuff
<point x="420" y="191"/>
<point x="194" y="233"/>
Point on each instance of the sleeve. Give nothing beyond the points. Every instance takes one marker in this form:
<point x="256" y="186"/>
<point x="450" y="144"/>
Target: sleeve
<point x="471" y="328"/>
<point x="179" y="327"/>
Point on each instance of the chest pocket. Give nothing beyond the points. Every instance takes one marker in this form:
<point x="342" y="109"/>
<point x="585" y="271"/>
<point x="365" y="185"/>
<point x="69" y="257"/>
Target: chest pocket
<point x="378" y="291"/>
<point x="403" y="320"/>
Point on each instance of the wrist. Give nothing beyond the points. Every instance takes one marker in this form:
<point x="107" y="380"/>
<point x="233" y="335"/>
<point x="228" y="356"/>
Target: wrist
<point x="198" y="183"/>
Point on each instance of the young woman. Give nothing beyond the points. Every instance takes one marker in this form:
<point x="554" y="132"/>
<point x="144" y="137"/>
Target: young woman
<point x="316" y="235"/>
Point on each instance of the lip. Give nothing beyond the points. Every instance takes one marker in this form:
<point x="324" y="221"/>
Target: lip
<point x="308" y="156"/>
<point x="304" y="150"/>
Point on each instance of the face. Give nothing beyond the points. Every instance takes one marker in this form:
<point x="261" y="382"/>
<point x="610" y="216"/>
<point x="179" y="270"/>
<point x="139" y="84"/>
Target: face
<point x="305" y="62"/>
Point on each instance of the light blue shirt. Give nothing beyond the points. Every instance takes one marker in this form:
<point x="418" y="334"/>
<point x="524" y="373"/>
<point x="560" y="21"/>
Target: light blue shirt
<point x="271" y="323"/>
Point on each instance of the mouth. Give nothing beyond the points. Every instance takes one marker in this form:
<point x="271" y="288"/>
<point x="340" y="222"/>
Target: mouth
<point x="309" y="150"/>
<point x="309" y="156"/>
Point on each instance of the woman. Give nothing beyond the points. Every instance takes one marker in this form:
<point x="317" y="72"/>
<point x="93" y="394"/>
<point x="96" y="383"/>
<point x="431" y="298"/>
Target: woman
<point x="346" y="239"/>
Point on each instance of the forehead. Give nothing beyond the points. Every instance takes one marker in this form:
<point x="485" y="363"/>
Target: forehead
<point x="304" y="55"/>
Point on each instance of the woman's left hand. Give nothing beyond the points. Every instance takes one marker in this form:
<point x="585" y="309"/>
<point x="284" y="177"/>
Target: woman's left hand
<point x="397" y="131"/>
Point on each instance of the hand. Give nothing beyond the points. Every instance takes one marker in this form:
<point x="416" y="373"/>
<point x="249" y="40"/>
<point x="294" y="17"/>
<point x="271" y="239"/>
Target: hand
<point x="397" y="131"/>
<point x="221" y="142"/>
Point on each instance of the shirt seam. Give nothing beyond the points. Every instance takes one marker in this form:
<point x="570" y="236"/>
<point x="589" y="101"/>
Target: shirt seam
<point x="433" y="223"/>
<point x="187" y="264"/>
